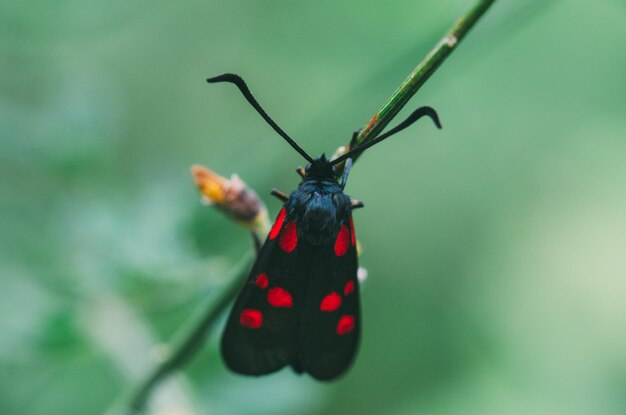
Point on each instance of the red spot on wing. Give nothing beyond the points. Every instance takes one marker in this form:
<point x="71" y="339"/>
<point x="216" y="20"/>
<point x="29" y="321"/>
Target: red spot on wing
<point x="279" y="297"/>
<point x="251" y="318"/>
<point x="331" y="302"/>
<point x="352" y="236"/>
<point x="345" y="325"/>
<point x="261" y="281"/>
<point x="278" y="224"/>
<point x="289" y="237"/>
<point x="341" y="243"/>
<point x="349" y="287"/>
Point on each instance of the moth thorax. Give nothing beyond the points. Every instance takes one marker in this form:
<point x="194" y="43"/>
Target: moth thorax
<point x="319" y="220"/>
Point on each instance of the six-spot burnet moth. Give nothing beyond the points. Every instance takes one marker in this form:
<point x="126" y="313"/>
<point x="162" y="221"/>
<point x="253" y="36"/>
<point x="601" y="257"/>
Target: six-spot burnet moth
<point x="300" y="303"/>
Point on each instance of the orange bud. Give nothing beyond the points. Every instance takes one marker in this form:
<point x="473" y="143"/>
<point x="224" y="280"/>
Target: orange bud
<point x="232" y="197"/>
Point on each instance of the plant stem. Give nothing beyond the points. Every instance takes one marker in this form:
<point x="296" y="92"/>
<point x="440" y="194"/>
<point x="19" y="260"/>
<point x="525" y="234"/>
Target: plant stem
<point x="421" y="73"/>
<point x="192" y="337"/>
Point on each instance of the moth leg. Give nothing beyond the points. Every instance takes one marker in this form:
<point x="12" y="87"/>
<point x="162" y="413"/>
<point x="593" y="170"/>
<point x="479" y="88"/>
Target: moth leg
<point x="280" y="195"/>
<point x="256" y="242"/>
<point x="300" y="171"/>
<point x="346" y="170"/>
<point x="356" y="204"/>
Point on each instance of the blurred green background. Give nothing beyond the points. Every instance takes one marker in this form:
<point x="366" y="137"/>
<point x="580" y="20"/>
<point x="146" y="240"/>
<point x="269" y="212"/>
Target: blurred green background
<point x="496" y="248"/>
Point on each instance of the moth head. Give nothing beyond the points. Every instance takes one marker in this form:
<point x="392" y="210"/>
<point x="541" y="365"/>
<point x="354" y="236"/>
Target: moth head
<point x="320" y="168"/>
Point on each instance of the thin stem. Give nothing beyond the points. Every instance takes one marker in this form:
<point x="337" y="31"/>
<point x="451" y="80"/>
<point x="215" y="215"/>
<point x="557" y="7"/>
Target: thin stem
<point x="191" y="337"/>
<point x="420" y="74"/>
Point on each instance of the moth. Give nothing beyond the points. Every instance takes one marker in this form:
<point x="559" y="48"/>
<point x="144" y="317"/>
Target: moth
<point x="300" y="304"/>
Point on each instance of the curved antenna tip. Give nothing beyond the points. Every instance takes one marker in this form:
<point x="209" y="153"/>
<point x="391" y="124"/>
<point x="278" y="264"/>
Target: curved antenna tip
<point x="243" y="88"/>
<point x="435" y="118"/>
<point x="225" y="77"/>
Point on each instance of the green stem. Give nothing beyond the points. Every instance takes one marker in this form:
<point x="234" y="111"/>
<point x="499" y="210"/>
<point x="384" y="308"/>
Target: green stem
<point x="191" y="337"/>
<point x="422" y="72"/>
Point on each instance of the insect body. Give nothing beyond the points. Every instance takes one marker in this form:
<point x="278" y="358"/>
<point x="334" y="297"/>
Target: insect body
<point x="300" y="303"/>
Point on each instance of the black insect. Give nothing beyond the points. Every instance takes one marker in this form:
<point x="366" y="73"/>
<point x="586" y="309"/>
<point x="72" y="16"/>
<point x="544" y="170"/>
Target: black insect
<point x="300" y="304"/>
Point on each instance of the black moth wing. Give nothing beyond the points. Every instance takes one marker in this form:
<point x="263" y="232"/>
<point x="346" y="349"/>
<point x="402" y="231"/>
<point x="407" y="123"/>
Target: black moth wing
<point x="262" y="329"/>
<point x="330" y="322"/>
<point x="299" y="306"/>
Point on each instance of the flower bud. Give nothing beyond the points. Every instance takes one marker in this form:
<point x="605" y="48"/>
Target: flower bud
<point x="232" y="197"/>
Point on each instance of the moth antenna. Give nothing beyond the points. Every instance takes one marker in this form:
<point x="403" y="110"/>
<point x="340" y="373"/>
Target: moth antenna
<point x="239" y="82"/>
<point x="415" y="115"/>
